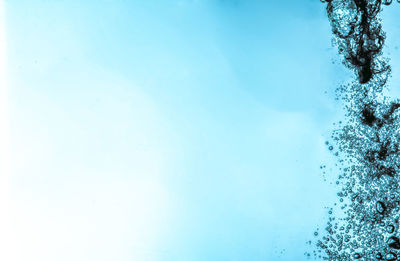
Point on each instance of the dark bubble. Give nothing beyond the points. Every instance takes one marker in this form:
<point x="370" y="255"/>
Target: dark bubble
<point x="368" y="116"/>
<point x="387" y="2"/>
<point x="394" y="242"/>
<point x="380" y="207"/>
<point x="365" y="73"/>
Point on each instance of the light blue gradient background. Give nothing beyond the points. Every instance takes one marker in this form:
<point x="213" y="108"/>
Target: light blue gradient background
<point x="188" y="130"/>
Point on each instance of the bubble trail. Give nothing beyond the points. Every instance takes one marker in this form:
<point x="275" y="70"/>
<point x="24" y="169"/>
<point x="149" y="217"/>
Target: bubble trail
<point x="368" y="142"/>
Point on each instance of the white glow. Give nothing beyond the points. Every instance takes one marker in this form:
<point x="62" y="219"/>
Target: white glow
<point x="4" y="160"/>
<point x="3" y="96"/>
<point x="113" y="207"/>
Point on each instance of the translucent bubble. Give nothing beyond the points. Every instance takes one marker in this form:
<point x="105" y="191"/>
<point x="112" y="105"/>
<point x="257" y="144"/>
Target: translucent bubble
<point x="387" y="2"/>
<point x="390" y="229"/>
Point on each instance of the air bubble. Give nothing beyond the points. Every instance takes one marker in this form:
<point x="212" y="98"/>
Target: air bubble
<point x="380" y="207"/>
<point x="367" y="140"/>
<point x="387" y="2"/>
<point x="394" y="242"/>
<point x="391" y="256"/>
<point x="390" y="229"/>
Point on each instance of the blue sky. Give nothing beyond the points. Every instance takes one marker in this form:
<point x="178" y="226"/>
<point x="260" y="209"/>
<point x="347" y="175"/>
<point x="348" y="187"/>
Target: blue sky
<point x="183" y="130"/>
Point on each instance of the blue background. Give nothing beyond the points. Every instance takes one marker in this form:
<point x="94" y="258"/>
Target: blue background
<point x="172" y="130"/>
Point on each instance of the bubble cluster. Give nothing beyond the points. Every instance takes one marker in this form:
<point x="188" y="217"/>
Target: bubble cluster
<point x="368" y="227"/>
<point x="359" y="35"/>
